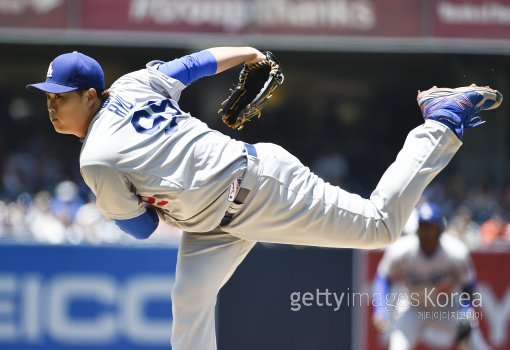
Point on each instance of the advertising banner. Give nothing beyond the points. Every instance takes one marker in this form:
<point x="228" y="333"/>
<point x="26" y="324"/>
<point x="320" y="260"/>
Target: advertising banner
<point x="65" y="297"/>
<point x="304" y="17"/>
<point x="34" y="14"/>
<point x="488" y="19"/>
<point x="472" y="19"/>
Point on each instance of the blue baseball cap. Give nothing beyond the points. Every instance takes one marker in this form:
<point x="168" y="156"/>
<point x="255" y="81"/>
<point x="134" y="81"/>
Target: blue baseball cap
<point x="70" y="72"/>
<point x="430" y="212"/>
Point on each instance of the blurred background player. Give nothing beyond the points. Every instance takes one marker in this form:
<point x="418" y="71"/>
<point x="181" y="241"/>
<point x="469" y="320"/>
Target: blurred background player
<point x="432" y="266"/>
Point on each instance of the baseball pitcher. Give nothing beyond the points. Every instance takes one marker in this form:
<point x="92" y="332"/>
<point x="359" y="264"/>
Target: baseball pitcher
<point x="147" y="160"/>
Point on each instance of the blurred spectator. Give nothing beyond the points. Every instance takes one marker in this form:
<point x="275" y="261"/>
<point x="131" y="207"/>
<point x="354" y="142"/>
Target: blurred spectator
<point x="504" y="200"/>
<point x="331" y="166"/>
<point x="66" y="202"/>
<point x="483" y="200"/>
<point x="494" y="233"/>
<point x="91" y="227"/>
<point x="17" y="210"/>
<point x="44" y="226"/>
<point x="19" y="174"/>
<point x="464" y="228"/>
<point x="4" y="216"/>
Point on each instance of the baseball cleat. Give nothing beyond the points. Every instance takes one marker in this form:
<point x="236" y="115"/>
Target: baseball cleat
<point x="457" y="108"/>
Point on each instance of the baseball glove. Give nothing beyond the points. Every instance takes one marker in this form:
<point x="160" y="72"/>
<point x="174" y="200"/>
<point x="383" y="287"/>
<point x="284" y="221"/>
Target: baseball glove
<point x="463" y="331"/>
<point x="256" y="84"/>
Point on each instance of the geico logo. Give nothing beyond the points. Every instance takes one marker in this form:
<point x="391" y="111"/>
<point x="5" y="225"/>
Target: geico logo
<point x="33" y="309"/>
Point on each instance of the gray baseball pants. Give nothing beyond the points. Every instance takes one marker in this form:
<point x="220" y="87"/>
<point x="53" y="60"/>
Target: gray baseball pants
<point x="289" y="204"/>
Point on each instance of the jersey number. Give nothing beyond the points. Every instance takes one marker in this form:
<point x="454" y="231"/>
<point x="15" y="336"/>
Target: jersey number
<point x="148" y="120"/>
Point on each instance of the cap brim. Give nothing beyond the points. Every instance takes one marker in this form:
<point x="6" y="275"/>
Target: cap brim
<point x="51" y="88"/>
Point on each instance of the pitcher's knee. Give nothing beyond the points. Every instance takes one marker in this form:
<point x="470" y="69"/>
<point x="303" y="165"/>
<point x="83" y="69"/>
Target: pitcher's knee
<point x="394" y="233"/>
<point x="383" y="236"/>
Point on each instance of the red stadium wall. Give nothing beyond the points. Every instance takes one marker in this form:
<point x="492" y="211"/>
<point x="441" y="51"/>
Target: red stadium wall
<point x="493" y="284"/>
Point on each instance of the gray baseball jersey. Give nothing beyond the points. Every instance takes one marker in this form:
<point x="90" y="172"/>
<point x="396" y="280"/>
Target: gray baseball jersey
<point x="140" y="147"/>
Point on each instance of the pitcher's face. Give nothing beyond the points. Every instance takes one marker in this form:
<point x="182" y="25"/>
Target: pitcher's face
<point x="68" y="111"/>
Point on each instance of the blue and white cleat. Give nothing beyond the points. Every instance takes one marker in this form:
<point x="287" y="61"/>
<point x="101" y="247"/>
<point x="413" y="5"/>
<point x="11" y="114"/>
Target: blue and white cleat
<point x="457" y="108"/>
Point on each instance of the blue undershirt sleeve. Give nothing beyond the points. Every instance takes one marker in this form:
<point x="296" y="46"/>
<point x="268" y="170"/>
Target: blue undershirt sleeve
<point x="382" y="287"/>
<point x="467" y="290"/>
<point x="142" y="226"/>
<point x="190" y="68"/>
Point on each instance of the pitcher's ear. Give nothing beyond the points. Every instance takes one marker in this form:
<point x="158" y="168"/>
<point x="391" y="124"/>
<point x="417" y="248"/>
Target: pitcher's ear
<point x="91" y="96"/>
